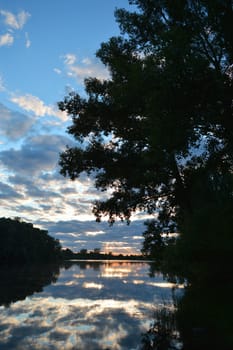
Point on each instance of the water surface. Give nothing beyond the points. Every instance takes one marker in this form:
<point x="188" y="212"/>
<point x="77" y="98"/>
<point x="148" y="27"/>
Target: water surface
<point x="83" y="305"/>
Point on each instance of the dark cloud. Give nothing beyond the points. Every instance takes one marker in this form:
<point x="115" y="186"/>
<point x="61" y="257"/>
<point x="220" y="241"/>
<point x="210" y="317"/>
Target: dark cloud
<point x="19" y="180"/>
<point x="68" y="190"/>
<point x="8" y="192"/>
<point x="13" y="124"/>
<point x="32" y="189"/>
<point x="38" y="153"/>
<point x="35" y="191"/>
<point x="23" y="210"/>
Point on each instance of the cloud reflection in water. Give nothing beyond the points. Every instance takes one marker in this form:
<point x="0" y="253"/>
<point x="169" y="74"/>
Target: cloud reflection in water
<point x="92" y="306"/>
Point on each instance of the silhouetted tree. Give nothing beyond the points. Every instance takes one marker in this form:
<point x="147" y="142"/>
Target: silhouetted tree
<point x="154" y="243"/>
<point x="83" y="251"/>
<point x="21" y="242"/>
<point x="159" y="131"/>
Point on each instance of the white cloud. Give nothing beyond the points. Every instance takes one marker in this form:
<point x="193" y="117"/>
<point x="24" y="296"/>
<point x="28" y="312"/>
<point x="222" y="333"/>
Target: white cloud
<point x="33" y="104"/>
<point x="15" y="21"/>
<point x="57" y="70"/>
<point x="85" y="69"/>
<point x="86" y="61"/>
<point x="83" y="72"/>
<point x="28" y="41"/>
<point x="2" y="86"/>
<point x="70" y="59"/>
<point x="6" y="39"/>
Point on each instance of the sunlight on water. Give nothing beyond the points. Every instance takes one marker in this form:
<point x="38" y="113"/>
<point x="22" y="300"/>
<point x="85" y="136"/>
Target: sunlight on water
<point x="92" y="285"/>
<point x="165" y="285"/>
<point x="91" y="306"/>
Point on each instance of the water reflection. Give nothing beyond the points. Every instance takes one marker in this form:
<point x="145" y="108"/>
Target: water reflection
<point x="91" y="306"/>
<point x="163" y="333"/>
<point x="19" y="282"/>
<point x="202" y="319"/>
<point x="205" y="316"/>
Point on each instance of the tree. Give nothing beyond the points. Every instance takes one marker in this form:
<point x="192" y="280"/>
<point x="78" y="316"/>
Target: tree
<point x="83" y="251"/>
<point x="21" y="242"/>
<point x="160" y="129"/>
<point x="153" y="242"/>
<point x="96" y="251"/>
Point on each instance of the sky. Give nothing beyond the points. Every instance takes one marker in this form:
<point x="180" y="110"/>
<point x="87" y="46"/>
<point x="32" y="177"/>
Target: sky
<point x="47" y="49"/>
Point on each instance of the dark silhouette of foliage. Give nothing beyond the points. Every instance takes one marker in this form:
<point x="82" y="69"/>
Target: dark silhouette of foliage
<point x="21" y="242"/>
<point x="159" y="132"/>
<point x="84" y="254"/>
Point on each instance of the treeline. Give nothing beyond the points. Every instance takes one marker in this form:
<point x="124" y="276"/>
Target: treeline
<point x="84" y="254"/>
<point x="21" y="242"/>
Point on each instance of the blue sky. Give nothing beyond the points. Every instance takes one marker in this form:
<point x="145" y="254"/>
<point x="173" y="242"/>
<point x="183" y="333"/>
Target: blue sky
<point x="47" y="48"/>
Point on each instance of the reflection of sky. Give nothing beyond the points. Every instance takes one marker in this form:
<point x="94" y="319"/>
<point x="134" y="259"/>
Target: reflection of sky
<point x="102" y="306"/>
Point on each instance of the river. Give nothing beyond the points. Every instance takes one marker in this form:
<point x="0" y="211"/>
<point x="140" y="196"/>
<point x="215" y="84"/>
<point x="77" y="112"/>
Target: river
<point x="82" y="305"/>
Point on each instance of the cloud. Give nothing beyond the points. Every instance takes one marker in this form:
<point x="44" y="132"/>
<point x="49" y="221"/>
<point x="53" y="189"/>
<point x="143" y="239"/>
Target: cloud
<point x="33" y="187"/>
<point x="45" y="189"/>
<point x="15" y="21"/>
<point x="13" y="124"/>
<point x="28" y="41"/>
<point x="38" y="153"/>
<point x="86" y="61"/>
<point x="84" y="69"/>
<point x="33" y="104"/>
<point x="76" y="234"/>
<point x="57" y="70"/>
<point x="2" y="86"/>
<point x="70" y="59"/>
<point x="8" y="192"/>
<point x="6" y="39"/>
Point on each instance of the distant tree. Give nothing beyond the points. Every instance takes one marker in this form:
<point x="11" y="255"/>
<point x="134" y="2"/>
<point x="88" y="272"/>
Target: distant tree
<point x="67" y="254"/>
<point x="17" y="218"/>
<point x="159" y="131"/>
<point x="83" y="251"/>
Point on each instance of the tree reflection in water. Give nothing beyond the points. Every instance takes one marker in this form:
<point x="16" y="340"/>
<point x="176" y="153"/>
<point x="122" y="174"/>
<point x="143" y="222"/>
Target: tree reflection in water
<point x="202" y="320"/>
<point x="205" y="317"/>
<point x="163" y="334"/>
<point x="18" y="282"/>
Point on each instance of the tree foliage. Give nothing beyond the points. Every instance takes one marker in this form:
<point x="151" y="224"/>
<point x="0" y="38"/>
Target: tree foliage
<point x="159" y="131"/>
<point x="20" y="242"/>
